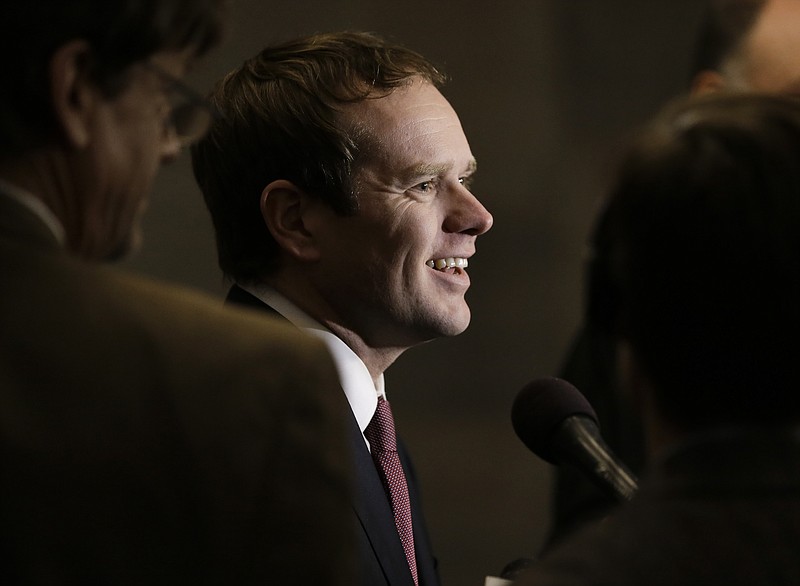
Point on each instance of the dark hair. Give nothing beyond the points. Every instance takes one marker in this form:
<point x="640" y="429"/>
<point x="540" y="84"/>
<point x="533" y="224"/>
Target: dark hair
<point x="120" y="32"/>
<point x="279" y="118"/>
<point x="698" y="259"/>
<point x="724" y="26"/>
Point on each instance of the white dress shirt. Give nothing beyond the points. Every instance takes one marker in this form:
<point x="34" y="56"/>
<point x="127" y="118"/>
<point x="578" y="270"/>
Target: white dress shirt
<point x="362" y="394"/>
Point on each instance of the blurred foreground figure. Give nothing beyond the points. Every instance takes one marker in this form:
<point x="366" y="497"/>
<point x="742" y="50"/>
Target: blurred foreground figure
<point x="696" y="275"/>
<point x="147" y="435"/>
<point x="741" y="46"/>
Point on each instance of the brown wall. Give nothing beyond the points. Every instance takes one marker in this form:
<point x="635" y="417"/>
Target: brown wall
<point x="545" y="89"/>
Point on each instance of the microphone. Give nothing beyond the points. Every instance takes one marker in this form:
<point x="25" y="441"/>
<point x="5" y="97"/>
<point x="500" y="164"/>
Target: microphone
<point x="556" y="422"/>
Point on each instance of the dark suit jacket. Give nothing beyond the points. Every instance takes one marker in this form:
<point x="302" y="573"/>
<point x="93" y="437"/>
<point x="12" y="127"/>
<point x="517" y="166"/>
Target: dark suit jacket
<point x="723" y="510"/>
<point x="150" y="436"/>
<point x="381" y="557"/>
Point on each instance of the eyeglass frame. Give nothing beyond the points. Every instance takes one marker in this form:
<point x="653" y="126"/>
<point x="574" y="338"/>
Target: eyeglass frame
<point x="201" y="113"/>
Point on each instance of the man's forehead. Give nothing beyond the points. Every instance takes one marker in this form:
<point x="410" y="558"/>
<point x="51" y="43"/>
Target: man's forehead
<point x="413" y="129"/>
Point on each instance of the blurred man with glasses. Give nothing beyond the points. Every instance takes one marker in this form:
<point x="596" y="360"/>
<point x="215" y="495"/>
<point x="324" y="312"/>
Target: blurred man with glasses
<point x="148" y="435"/>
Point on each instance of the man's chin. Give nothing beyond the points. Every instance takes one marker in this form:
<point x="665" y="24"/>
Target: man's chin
<point x="454" y="326"/>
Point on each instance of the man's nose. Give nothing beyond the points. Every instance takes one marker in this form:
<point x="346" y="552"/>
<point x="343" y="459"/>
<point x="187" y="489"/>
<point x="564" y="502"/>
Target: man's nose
<point x="468" y="215"/>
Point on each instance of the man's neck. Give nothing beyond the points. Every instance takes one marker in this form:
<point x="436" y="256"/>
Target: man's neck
<point x="377" y="358"/>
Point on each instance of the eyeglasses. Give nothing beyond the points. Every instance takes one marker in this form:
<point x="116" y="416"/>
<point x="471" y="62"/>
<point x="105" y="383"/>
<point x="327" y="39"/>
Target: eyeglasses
<point x="190" y="113"/>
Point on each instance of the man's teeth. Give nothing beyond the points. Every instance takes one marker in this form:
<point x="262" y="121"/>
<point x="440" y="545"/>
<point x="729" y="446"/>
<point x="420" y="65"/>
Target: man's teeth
<point x="448" y="263"/>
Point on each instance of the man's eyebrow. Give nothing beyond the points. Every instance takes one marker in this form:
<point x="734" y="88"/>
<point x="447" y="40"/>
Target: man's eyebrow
<point x="435" y="170"/>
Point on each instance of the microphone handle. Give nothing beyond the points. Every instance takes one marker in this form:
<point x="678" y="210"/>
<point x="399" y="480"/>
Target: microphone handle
<point x="581" y="444"/>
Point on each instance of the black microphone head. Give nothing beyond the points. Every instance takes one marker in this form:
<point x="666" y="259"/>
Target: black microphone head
<point x="540" y="407"/>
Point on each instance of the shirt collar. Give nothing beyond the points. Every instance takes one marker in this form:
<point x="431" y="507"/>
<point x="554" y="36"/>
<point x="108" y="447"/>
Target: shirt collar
<point x="36" y="206"/>
<point x="362" y="394"/>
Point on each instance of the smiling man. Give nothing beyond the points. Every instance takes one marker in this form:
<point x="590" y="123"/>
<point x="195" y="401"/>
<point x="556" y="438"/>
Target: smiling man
<point x="337" y="177"/>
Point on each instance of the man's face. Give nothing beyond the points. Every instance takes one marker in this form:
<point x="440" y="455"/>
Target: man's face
<point x="381" y="269"/>
<point x="131" y="139"/>
<point x="770" y="58"/>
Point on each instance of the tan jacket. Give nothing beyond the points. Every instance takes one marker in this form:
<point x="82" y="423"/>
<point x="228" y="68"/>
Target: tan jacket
<point x="148" y="435"/>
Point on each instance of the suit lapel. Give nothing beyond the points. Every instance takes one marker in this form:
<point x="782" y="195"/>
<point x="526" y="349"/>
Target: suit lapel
<point x="239" y="296"/>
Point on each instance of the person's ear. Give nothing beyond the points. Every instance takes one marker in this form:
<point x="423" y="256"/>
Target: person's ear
<point x="285" y="208"/>
<point x="706" y="82"/>
<point x="73" y="94"/>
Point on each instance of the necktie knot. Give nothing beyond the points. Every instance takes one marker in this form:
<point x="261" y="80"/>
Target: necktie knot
<point x="380" y="431"/>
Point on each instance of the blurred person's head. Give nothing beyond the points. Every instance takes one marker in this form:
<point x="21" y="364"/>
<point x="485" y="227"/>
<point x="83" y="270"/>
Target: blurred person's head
<point x="748" y="45"/>
<point x="92" y="104"/>
<point x="697" y="263"/>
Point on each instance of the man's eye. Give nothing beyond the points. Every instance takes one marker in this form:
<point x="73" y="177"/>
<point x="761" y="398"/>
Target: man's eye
<point x="465" y="181"/>
<point x="424" y="186"/>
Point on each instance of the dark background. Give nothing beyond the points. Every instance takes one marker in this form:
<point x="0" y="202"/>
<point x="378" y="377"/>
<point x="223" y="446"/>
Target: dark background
<point x="546" y="91"/>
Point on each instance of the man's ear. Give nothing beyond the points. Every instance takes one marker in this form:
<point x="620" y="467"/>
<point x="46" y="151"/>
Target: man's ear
<point x="285" y="208"/>
<point x="706" y="82"/>
<point x="74" y="96"/>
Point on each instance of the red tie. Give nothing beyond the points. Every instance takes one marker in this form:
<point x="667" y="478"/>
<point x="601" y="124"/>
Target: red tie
<point x="383" y="443"/>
